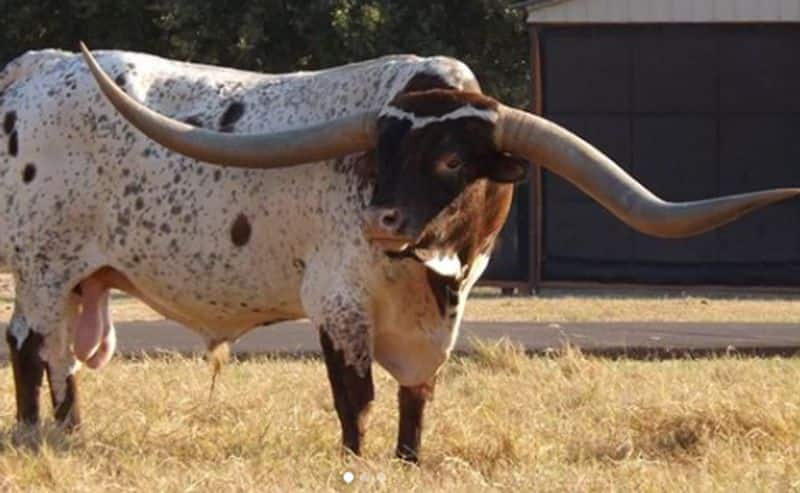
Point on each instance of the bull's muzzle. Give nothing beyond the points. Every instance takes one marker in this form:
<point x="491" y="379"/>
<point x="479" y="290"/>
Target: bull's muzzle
<point x="384" y="227"/>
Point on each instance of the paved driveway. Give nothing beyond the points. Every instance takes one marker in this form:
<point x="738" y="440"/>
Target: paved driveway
<point x="633" y="339"/>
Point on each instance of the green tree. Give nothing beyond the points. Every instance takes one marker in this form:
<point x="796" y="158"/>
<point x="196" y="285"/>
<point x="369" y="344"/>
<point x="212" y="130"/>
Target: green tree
<point x="283" y="35"/>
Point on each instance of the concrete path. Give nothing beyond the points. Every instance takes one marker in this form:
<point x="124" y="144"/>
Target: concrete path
<point x="631" y="339"/>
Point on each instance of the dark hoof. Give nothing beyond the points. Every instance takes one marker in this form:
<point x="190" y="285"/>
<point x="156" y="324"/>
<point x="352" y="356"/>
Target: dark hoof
<point x="407" y="456"/>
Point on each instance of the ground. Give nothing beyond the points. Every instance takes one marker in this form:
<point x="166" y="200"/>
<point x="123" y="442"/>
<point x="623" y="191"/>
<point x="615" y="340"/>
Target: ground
<point x="500" y="420"/>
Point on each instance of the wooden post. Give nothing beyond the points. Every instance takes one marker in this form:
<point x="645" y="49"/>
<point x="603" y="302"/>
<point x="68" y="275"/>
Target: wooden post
<point x="535" y="230"/>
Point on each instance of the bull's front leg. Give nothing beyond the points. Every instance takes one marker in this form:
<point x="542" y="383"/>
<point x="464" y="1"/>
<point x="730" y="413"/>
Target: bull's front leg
<point x="412" y="402"/>
<point x="353" y="392"/>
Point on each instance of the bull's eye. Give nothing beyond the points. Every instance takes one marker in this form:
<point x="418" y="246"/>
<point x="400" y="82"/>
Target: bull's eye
<point x="450" y="164"/>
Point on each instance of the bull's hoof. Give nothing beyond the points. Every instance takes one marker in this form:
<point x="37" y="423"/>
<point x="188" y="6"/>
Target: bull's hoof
<point x="408" y="456"/>
<point x="26" y="435"/>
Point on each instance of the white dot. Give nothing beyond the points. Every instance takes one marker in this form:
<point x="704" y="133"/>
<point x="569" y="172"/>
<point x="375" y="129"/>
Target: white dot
<point x="348" y="477"/>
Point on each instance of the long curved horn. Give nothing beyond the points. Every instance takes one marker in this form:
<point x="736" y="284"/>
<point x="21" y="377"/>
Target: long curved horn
<point x="569" y="156"/>
<point x="320" y="142"/>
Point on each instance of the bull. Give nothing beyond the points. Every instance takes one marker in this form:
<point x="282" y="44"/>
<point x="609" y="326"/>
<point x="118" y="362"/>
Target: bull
<point x="366" y="198"/>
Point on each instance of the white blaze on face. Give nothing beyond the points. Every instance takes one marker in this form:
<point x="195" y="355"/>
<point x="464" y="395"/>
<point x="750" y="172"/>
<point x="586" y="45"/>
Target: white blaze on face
<point x="422" y="121"/>
<point x="443" y="263"/>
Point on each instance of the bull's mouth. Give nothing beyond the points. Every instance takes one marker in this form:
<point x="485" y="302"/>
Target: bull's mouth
<point x="402" y="248"/>
<point x="391" y="244"/>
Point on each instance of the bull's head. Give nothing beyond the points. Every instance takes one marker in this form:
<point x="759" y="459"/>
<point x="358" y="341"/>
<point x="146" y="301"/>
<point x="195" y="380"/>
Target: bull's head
<point x="437" y="151"/>
<point x="443" y="188"/>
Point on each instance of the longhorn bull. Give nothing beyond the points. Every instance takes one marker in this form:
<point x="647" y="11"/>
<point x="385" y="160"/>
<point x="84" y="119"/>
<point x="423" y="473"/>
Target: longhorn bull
<point x="365" y="197"/>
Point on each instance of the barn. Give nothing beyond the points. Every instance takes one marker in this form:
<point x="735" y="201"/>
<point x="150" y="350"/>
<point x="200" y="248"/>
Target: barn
<point x="695" y="98"/>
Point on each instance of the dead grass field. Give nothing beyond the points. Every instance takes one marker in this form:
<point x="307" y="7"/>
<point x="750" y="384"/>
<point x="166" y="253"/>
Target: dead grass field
<point x="632" y="306"/>
<point x="501" y="421"/>
<point x="561" y="306"/>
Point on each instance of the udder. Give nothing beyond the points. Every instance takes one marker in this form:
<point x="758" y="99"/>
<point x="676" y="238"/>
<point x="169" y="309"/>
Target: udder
<point x="94" y="337"/>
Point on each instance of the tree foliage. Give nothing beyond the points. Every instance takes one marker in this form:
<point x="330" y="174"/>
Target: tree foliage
<point x="283" y="35"/>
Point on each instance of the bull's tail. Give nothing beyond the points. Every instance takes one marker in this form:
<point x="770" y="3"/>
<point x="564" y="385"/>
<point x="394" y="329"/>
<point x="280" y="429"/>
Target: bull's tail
<point x="218" y="354"/>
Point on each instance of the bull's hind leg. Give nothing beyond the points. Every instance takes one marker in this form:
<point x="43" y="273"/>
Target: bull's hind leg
<point x="39" y="342"/>
<point x="353" y="391"/>
<point x="62" y="367"/>
<point x="32" y="354"/>
<point x="61" y="376"/>
<point x="27" y="365"/>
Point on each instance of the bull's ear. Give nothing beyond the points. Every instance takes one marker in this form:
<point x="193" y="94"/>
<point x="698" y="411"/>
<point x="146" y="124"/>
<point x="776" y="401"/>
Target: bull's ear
<point x="506" y="168"/>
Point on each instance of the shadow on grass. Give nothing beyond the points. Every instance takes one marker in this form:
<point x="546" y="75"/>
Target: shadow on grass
<point x="32" y="438"/>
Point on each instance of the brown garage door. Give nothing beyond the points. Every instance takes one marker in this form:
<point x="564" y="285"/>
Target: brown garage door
<point x="692" y="112"/>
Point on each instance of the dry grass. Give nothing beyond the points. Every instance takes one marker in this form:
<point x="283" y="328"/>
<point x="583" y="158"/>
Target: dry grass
<point x="124" y="307"/>
<point x="631" y="306"/>
<point x="500" y="421"/>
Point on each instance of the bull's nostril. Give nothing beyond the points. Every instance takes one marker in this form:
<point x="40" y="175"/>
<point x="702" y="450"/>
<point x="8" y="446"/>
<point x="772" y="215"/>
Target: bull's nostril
<point x="389" y="219"/>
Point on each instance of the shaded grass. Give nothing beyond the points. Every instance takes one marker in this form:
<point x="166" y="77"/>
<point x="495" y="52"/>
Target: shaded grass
<point x="500" y="420"/>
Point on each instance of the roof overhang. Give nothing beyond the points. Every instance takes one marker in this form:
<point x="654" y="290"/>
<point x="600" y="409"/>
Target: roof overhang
<point x="660" y="11"/>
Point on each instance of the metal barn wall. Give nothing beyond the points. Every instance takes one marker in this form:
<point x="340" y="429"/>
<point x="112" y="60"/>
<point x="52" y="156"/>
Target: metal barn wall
<point x="664" y="11"/>
<point x="692" y="111"/>
<point x="539" y="247"/>
<point x="509" y="266"/>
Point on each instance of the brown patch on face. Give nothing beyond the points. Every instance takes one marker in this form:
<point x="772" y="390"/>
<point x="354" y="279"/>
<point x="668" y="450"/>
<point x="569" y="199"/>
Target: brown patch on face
<point x="487" y="216"/>
<point x="470" y="224"/>
<point x="241" y="230"/>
